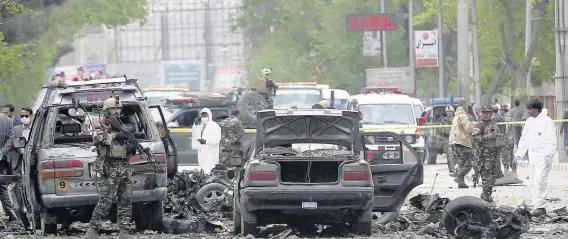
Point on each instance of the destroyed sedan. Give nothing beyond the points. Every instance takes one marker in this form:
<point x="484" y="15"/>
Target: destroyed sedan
<point x="308" y="167"/>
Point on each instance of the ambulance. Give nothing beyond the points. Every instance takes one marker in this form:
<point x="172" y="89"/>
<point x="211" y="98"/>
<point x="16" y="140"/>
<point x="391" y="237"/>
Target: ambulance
<point x="388" y="111"/>
<point x="307" y="94"/>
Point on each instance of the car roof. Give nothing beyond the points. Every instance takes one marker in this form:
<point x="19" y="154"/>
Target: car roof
<point x="374" y="98"/>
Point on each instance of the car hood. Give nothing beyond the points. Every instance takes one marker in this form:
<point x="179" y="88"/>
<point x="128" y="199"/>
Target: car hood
<point x="281" y="127"/>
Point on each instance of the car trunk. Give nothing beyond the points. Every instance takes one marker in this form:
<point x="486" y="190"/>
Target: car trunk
<point x="312" y="170"/>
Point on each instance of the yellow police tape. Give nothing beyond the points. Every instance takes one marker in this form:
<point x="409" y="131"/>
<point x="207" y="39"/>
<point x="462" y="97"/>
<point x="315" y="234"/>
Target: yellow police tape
<point x="386" y="127"/>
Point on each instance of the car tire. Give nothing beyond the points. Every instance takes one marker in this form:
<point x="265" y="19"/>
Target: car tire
<point x="457" y="210"/>
<point x="365" y="222"/>
<point x="248" y="111"/>
<point x="151" y="217"/>
<point x="209" y="193"/>
<point x="46" y="228"/>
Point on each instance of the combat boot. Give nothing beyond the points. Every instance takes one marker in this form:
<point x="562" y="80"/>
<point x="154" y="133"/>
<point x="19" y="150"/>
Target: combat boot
<point x="92" y="233"/>
<point x="460" y="180"/>
<point x="539" y="212"/>
<point x="124" y="234"/>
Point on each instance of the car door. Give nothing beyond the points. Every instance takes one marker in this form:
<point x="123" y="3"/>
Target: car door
<point x="171" y="149"/>
<point x="394" y="181"/>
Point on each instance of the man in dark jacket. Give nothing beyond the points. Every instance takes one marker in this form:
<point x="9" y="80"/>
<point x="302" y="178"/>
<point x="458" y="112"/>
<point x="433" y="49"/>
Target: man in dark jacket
<point x="6" y="148"/>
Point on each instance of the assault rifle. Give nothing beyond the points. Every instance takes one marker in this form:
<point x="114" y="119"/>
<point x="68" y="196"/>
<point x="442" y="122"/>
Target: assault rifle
<point x="144" y="152"/>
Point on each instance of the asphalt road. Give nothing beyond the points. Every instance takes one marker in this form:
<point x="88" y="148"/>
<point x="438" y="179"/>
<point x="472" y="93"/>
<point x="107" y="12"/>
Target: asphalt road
<point x="438" y="181"/>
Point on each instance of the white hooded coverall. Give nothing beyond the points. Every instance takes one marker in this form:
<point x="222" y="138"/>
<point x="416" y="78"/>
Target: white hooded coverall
<point x="539" y="139"/>
<point x="208" y="153"/>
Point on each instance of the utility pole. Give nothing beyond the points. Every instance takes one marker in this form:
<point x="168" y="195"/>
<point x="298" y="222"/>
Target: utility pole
<point x="441" y="59"/>
<point x="411" y="46"/>
<point x="476" y="70"/>
<point x="463" y="49"/>
<point x="528" y="28"/>
<point x="560" y="23"/>
<point x="384" y="39"/>
<point x="208" y="84"/>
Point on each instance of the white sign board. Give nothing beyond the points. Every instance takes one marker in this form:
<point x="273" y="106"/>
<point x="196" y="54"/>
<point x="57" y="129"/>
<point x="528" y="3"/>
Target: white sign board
<point x="426" y="45"/>
<point x="391" y="77"/>
<point x="371" y="43"/>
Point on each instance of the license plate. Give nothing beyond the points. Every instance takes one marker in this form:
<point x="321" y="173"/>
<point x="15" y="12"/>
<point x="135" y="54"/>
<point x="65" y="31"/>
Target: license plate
<point x="94" y="174"/>
<point x="309" y="205"/>
<point x="391" y="155"/>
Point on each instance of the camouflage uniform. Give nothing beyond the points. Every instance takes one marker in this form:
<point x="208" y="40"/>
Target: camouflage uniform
<point x="507" y="150"/>
<point x="445" y="133"/>
<point x="488" y="149"/>
<point x="115" y="180"/>
<point x="231" y="132"/>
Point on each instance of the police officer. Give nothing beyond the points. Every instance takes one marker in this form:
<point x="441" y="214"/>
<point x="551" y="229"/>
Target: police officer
<point x="445" y="134"/>
<point x="509" y="142"/>
<point x="232" y="130"/>
<point x="486" y="134"/>
<point x="115" y="180"/>
<point x="266" y="87"/>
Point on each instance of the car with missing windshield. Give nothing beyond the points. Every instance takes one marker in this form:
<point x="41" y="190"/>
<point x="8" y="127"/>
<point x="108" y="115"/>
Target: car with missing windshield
<point x="309" y="166"/>
<point x="59" y="181"/>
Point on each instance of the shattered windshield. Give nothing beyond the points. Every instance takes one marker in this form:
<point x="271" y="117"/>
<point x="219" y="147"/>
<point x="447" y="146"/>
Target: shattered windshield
<point x="301" y="98"/>
<point x="384" y="114"/>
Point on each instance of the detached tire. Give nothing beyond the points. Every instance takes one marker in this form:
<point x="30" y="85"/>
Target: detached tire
<point x="457" y="210"/>
<point x="250" y="103"/>
<point x="208" y="195"/>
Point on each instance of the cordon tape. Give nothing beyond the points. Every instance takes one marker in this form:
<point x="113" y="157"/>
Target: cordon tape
<point x="386" y="127"/>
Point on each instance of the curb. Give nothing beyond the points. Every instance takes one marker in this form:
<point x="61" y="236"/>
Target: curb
<point x="555" y="166"/>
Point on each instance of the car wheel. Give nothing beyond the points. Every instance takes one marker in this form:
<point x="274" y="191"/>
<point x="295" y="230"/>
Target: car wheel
<point x="472" y="210"/>
<point x="46" y="227"/>
<point x="364" y="222"/>
<point x="236" y="218"/>
<point x="211" y="195"/>
<point x="150" y="216"/>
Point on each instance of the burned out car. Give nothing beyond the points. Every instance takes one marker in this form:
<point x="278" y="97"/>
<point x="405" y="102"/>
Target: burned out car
<point x="308" y="166"/>
<point x="59" y="183"/>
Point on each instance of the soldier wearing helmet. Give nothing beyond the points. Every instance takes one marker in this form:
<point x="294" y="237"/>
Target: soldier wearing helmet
<point x="444" y="134"/>
<point x="266" y="87"/>
<point x="487" y="135"/>
<point x="115" y="174"/>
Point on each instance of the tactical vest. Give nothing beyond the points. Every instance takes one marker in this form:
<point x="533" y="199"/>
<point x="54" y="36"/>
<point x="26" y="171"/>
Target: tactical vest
<point x="489" y="142"/>
<point x="261" y="86"/>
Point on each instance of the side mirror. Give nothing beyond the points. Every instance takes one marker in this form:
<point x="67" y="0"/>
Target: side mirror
<point x="421" y="121"/>
<point x="236" y="161"/>
<point x="19" y="143"/>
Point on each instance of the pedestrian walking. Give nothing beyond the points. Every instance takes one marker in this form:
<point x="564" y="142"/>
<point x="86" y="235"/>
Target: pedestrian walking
<point x="486" y="133"/>
<point x="539" y="141"/>
<point x="232" y="130"/>
<point x="116" y="176"/>
<point x="206" y="138"/>
<point x="461" y="143"/>
<point x="445" y="135"/>
<point x="6" y="148"/>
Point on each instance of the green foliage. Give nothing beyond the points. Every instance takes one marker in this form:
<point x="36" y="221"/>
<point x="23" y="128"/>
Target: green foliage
<point x="63" y="21"/>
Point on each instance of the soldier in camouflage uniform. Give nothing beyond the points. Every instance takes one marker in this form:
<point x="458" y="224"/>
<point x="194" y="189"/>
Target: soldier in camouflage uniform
<point x="486" y="133"/>
<point x="232" y="130"/>
<point x="115" y="173"/>
<point x="509" y="139"/>
<point x="266" y="87"/>
<point x="445" y="134"/>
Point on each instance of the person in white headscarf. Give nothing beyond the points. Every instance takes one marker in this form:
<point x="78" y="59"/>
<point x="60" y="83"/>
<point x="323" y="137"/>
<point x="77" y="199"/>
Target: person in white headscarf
<point x="206" y="137"/>
<point x="539" y="141"/>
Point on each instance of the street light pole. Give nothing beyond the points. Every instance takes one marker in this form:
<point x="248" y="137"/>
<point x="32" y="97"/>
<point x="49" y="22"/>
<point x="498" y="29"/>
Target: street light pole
<point x="441" y="59"/>
<point x="411" y="46"/>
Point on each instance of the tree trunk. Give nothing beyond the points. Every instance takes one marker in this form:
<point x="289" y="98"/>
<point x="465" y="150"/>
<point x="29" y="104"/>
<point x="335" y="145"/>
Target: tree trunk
<point x="492" y="88"/>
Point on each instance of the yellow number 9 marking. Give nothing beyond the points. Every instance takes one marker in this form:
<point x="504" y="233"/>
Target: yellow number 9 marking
<point x="62" y="185"/>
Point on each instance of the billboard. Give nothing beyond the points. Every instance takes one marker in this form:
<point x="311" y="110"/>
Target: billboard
<point x="426" y="45"/>
<point x="190" y="73"/>
<point x="371" y="22"/>
<point x="372" y="43"/>
<point x="399" y="77"/>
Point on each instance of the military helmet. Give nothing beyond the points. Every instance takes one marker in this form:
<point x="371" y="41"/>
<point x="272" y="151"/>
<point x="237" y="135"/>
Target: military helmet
<point x="450" y="108"/>
<point x="111" y="102"/>
<point x="486" y="109"/>
<point x="266" y="72"/>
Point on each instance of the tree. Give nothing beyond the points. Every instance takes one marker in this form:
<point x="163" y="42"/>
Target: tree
<point x="47" y="31"/>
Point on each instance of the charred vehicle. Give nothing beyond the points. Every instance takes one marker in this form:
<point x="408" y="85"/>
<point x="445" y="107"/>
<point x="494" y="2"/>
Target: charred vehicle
<point x="59" y="183"/>
<point x="309" y="167"/>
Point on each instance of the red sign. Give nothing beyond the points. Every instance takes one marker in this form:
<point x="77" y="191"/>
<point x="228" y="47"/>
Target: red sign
<point x="96" y="98"/>
<point x="371" y="22"/>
